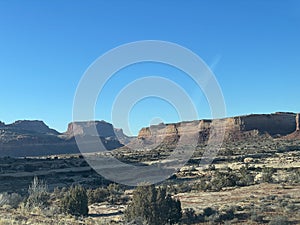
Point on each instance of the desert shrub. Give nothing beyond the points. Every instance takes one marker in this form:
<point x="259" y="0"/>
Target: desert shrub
<point x="189" y="216"/>
<point x="3" y="199"/>
<point x="228" y="152"/>
<point x="38" y="194"/>
<point x="183" y="188"/>
<point x="294" y="177"/>
<point x="254" y="216"/>
<point x="214" y="216"/>
<point x="291" y="207"/>
<point x="115" y="193"/>
<point x="209" y="211"/>
<point x="58" y="193"/>
<point x="246" y="178"/>
<point x="213" y="219"/>
<point x="279" y="220"/>
<point x="202" y="185"/>
<point x="153" y="206"/>
<point x="267" y="175"/>
<point x="227" y="214"/>
<point x="97" y="195"/>
<point x="223" y="179"/>
<point x="12" y="200"/>
<point x="75" y="201"/>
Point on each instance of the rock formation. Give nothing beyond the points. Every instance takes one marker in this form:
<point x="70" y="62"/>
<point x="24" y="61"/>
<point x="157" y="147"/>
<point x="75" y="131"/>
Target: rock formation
<point x="277" y="124"/>
<point x="32" y="138"/>
<point x="32" y="126"/>
<point x="103" y="128"/>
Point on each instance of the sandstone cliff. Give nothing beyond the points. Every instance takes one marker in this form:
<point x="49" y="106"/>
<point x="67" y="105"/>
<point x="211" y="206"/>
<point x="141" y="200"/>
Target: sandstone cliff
<point x="104" y="129"/>
<point x="277" y="124"/>
<point x="32" y="126"/>
<point x="32" y="138"/>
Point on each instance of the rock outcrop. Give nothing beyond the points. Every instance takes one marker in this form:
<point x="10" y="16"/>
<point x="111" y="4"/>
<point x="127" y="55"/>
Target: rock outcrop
<point x="35" y="138"/>
<point x="103" y="128"/>
<point x="239" y="127"/>
<point x="36" y="126"/>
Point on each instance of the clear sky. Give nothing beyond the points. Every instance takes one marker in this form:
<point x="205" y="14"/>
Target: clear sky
<point x="252" y="46"/>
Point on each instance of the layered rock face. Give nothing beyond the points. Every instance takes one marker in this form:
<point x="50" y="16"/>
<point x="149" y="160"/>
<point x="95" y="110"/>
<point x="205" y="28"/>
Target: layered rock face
<point x="277" y="124"/>
<point x="103" y="129"/>
<point x="32" y="126"/>
<point x="34" y="138"/>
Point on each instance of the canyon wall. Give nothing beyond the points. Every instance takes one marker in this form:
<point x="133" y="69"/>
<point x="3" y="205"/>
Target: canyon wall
<point x="32" y="138"/>
<point x="277" y="124"/>
<point x="35" y="138"/>
<point x="103" y="128"/>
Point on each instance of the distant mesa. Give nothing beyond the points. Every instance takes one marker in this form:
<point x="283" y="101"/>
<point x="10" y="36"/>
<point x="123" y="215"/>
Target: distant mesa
<point x="103" y="128"/>
<point x="35" y="138"/>
<point x="237" y="128"/>
<point x="36" y="126"/>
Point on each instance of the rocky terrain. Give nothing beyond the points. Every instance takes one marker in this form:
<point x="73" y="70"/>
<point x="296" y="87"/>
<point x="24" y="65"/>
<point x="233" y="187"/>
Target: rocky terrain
<point x="253" y="179"/>
<point x="34" y="138"/>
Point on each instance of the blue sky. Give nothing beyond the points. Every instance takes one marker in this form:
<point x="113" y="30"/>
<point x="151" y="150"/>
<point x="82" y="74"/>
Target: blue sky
<point x="46" y="46"/>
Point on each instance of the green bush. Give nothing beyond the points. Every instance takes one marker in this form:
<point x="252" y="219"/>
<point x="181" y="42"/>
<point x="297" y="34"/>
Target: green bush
<point x="115" y="193"/>
<point x="294" y="177"/>
<point x="189" y="216"/>
<point x="38" y="194"/>
<point x="12" y="200"/>
<point x="153" y="206"/>
<point x="267" y="175"/>
<point x="227" y="214"/>
<point x="223" y="179"/>
<point x="97" y="195"/>
<point x="246" y="178"/>
<point x="75" y="201"/>
<point x="209" y="211"/>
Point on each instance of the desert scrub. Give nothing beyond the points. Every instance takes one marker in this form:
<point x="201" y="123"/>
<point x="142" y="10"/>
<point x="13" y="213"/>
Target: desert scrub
<point x="97" y="195"/>
<point x="267" y="175"/>
<point x="279" y="220"/>
<point x="75" y="201"/>
<point x="294" y="177"/>
<point x="38" y="194"/>
<point x="13" y="200"/>
<point x="115" y="193"/>
<point x="153" y="206"/>
<point x="223" y="179"/>
<point x="246" y="178"/>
